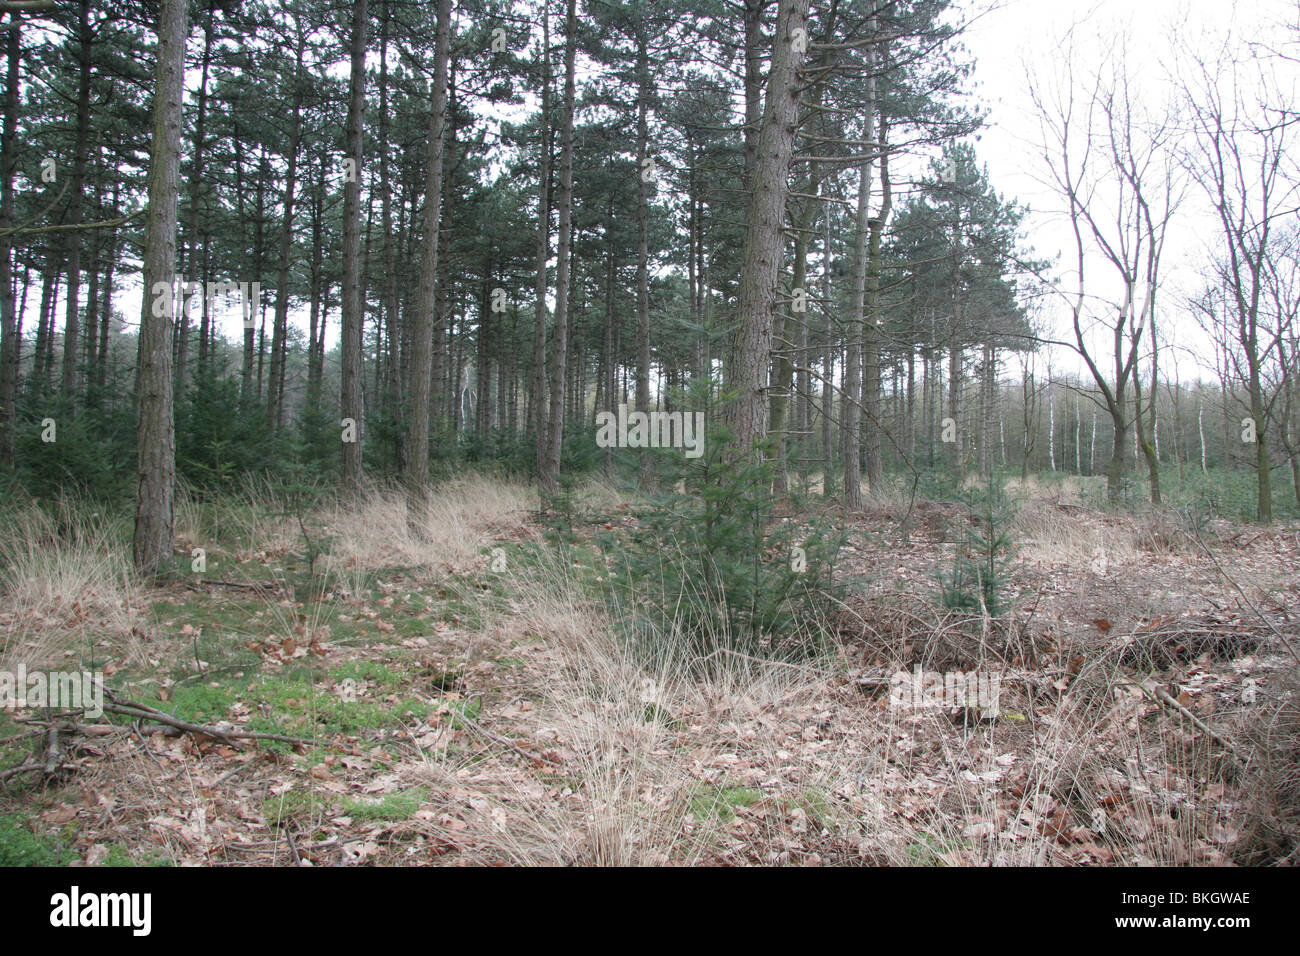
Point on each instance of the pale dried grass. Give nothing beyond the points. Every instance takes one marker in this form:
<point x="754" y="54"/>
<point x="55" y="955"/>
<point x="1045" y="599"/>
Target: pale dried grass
<point x="65" y="583"/>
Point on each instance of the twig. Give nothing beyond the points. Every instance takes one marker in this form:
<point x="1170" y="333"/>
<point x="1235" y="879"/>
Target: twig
<point x="128" y="711"/>
<point x="21" y="768"/>
<point x="129" y="708"/>
<point x="135" y="729"/>
<point x="243" y="586"/>
<point x="226" y="776"/>
<point x="53" y="752"/>
<point x="473" y="725"/>
<point x="1162" y="695"/>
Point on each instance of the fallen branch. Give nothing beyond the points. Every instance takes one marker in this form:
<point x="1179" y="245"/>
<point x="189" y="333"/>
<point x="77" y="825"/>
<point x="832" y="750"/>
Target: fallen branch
<point x="1162" y="695"/>
<point x="238" y="585"/>
<point x="21" y="768"/>
<point x="140" y="711"/>
<point x="53" y="752"/>
<point x="130" y="708"/>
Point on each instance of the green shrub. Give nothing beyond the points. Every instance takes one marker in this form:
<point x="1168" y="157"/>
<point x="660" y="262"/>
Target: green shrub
<point x="708" y="562"/>
<point x="979" y="574"/>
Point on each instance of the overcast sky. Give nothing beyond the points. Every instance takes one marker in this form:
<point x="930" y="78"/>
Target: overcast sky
<point x="1023" y="35"/>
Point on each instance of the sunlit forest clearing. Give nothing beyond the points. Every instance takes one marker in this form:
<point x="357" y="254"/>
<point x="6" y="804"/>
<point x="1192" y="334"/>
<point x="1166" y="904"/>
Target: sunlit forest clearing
<point x="668" y="432"/>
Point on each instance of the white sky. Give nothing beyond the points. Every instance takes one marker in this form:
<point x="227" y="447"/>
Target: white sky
<point x="1027" y="33"/>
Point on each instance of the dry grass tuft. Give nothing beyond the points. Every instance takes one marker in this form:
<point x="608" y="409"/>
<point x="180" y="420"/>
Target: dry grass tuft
<point x="1270" y="830"/>
<point x="464" y="517"/>
<point x="1048" y="534"/>
<point x="65" y="576"/>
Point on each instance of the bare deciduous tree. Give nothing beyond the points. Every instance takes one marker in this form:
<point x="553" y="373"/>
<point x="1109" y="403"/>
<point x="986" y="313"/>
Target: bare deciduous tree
<point x="1239" y="155"/>
<point x="1114" y="167"/>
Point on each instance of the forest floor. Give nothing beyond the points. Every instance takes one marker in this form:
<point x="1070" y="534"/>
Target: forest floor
<point x="461" y="698"/>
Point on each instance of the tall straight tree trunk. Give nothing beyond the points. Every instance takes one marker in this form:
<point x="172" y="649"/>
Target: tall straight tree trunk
<point x="352" y="318"/>
<point x="9" y="339"/>
<point x="872" y="444"/>
<point x="155" y="433"/>
<point x="89" y="339"/>
<point x="642" y="237"/>
<point x="513" y="415"/>
<point x="764" y="221"/>
<point x="851" y="415"/>
<point x="316" y="327"/>
<point x="190" y="258"/>
<point x="794" y="334"/>
<point x="537" y="374"/>
<point x="280" y="326"/>
<point x="81" y="149"/>
<point x="1263" y="467"/>
<point x="417" y="475"/>
<point x="43" y="357"/>
<point x="253" y="309"/>
<point x="442" y="298"/>
<point x="608" y="360"/>
<point x="827" y="390"/>
<point x="988" y="411"/>
<point x="958" y="459"/>
<point x="106" y="303"/>
<point x="1144" y="440"/>
<point x="483" y="359"/>
<point x="865" y="230"/>
<point x="393" y="382"/>
<point x="549" y="470"/>
<point x="196" y="212"/>
<point x="785" y="361"/>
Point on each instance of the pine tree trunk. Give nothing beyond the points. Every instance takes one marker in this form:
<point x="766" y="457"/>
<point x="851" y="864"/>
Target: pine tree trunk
<point x="764" y="221"/>
<point x="9" y="339"/>
<point x="643" y="239"/>
<point x="352" y="315"/>
<point x="155" y="435"/>
<point x="549" y="472"/>
<point x="537" y="372"/>
<point x="80" y="155"/>
<point x="280" y="326"/>
<point x="852" y="414"/>
<point x="871" y="333"/>
<point x="417" y="475"/>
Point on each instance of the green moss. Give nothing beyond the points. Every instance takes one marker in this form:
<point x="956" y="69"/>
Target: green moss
<point x="929" y="850"/>
<point x="392" y="807"/>
<point x="719" y="803"/>
<point x="19" y="846"/>
<point x="196" y="703"/>
<point x="369" y="671"/>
